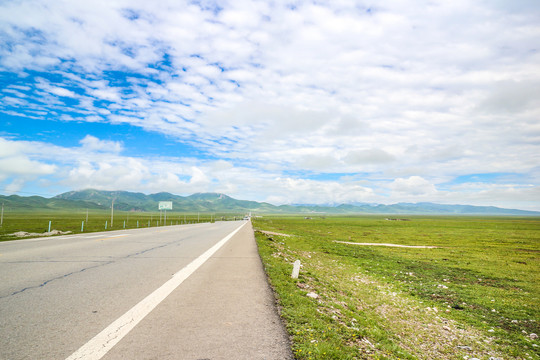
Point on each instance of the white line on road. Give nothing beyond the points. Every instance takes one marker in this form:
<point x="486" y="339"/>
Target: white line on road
<point x="100" y="344"/>
<point x="111" y="237"/>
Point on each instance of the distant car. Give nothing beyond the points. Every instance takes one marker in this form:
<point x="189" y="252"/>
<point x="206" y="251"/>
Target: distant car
<point x="246" y="217"/>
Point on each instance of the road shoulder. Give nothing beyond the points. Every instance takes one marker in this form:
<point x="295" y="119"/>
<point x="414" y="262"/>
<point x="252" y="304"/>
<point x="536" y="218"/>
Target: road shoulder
<point x="225" y="310"/>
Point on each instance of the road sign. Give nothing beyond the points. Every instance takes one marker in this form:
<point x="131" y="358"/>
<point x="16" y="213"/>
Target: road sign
<point x="165" y="205"/>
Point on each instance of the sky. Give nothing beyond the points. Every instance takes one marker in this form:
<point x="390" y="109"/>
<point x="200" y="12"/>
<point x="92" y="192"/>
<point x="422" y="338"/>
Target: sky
<point x="288" y="102"/>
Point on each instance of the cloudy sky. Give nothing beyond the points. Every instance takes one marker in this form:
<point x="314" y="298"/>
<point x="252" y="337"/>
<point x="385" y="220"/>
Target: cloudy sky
<point x="294" y="101"/>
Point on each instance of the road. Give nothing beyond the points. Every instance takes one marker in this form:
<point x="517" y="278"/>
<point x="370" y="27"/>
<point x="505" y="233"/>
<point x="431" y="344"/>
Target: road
<point x="57" y="294"/>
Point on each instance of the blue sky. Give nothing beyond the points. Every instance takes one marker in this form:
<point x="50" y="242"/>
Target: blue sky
<point x="282" y="101"/>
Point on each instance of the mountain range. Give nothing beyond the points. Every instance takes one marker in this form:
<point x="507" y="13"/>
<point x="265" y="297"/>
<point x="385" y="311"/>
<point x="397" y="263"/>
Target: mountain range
<point x="221" y="203"/>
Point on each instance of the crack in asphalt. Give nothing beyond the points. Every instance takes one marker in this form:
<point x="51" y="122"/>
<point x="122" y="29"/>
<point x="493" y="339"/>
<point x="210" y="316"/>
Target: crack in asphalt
<point x="100" y="263"/>
<point x="55" y="278"/>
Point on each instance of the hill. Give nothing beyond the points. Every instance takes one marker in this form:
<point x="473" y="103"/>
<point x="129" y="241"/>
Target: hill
<point x="200" y="202"/>
<point x="216" y="202"/>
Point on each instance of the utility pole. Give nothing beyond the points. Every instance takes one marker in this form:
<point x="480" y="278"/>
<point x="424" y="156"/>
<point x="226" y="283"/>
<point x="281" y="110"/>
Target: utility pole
<point x="112" y="212"/>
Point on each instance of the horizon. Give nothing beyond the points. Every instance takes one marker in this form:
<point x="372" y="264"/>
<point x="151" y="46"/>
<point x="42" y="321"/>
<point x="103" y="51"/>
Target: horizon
<point x="277" y="102"/>
<point x="329" y="205"/>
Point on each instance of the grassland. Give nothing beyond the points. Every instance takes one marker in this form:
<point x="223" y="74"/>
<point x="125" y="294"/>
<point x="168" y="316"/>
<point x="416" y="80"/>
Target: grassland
<point x="476" y="295"/>
<point x="37" y="221"/>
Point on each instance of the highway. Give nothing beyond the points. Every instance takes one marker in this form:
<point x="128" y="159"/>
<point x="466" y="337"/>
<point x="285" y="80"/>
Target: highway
<point x="58" y="294"/>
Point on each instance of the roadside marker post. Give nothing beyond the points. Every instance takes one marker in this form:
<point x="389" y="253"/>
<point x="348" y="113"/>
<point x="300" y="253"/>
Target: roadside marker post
<point x="82" y="226"/>
<point x="137" y="223"/>
<point x="124" y="224"/>
<point x="105" y="224"/>
<point x="296" y="269"/>
<point x="112" y="212"/>
<point x="49" y="226"/>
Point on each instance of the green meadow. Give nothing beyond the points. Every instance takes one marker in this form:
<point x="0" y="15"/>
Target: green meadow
<point x="476" y="294"/>
<point x="37" y="221"/>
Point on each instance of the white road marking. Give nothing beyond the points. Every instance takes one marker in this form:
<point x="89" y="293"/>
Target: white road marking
<point x="105" y="235"/>
<point x="100" y="344"/>
<point x="120" y="235"/>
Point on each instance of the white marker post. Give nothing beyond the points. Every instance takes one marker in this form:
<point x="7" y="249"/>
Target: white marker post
<point x="49" y="226"/>
<point x="112" y="212"/>
<point x="296" y="269"/>
<point x="82" y="226"/>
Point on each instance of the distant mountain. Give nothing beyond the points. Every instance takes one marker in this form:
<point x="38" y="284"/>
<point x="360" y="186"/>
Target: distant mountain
<point x="202" y="202"/>
<point x="28" y="203"/>
<point x="216" y="202"/>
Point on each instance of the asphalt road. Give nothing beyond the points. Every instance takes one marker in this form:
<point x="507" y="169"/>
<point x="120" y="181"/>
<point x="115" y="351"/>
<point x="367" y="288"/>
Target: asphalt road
<point x="57" y="294"/>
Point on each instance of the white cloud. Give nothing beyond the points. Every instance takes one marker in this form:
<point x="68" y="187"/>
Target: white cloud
<point x="416" y="94"/>
<point x="413" y="186"/>
<point x="62" y="92"/>
<point x="301" y="191"/>
<point x="90" y="167"/>
<point x="17" y="167"/>
<point x="370" y="156"/>
<point x="91" y="143"/>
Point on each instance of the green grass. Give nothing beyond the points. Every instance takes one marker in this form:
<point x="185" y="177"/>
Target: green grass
<point x="38" y="221"/>
<point x="475" y="295"/>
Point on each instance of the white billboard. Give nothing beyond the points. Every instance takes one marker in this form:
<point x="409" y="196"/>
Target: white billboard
<point x="165" y="205"/>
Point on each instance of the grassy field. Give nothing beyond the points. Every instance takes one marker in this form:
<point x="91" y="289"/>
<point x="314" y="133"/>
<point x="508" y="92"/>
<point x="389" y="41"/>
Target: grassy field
<point x="476" y="295"/>
<point x="38" y="221"/>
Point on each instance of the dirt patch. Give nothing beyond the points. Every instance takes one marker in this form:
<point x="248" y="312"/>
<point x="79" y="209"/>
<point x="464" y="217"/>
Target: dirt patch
<point x="22" y="234"/>
<point x="273" y="233"/>
<point x="390" y="245"/>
